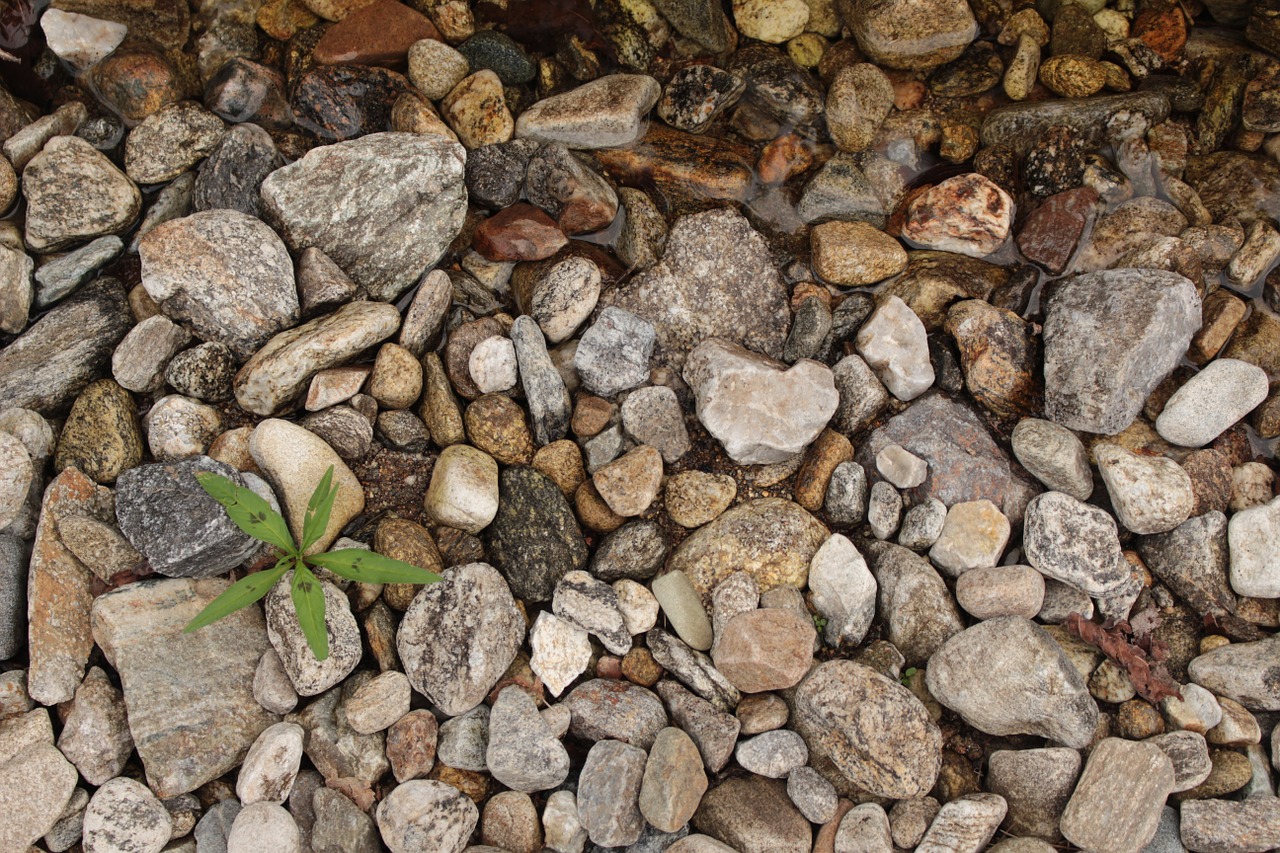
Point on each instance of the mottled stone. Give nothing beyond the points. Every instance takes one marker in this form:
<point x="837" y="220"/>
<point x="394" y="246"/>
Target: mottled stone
<point x="1117" y="803"/>
<point x="426" y="815"/>
<point x="74" y="193"/>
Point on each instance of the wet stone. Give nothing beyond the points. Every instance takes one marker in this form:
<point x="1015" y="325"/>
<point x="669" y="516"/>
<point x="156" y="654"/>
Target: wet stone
<point x="695" y="95"/>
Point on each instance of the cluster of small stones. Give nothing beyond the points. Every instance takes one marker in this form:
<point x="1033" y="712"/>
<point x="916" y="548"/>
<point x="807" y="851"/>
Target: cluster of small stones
<point x="770" y="382"/>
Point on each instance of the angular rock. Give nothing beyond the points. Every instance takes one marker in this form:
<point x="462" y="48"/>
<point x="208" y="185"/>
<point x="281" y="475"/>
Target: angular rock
<point x="1097" y="381"/>
<point x="379" y="234"/>
<point x="426" y="815"/>
<point x="523" y="754"/>
<point x="604" y="113"/>
<point x="75" y="193"/>
<point x="231" y="177"/>
<point x="1036" y="785"/>
<point x="1007" y="676"/>
<point x="224" y="274"/>
<point x="189" y="696"/>
<point x="1075" y="543"/>
<point x="561" y="651"/>
<point x="893" y="343"/>
<point x="715" y="279"/>
<point x="173" y="522"/>
<point x="534" y="540"/>
<point x="1150" y="494"/>
<point x="608" y="793"/>
<point x="95" y="736"/>
<point x="752" y="814"/>
<point x="613" y="354"/>
<point x="1117" y="803"/>
<point x="965" y="824"/>
<point x="309" y="675"/>
<point x="872" y="728"/>
<point x="843" y="591"/>
<point x="1245" y="672"/>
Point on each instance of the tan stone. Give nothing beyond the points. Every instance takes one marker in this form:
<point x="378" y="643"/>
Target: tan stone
<point x="695" y="498"/>
<point x="630" y="484"/>
<point x="768" y="649"/>
<point x="854" y="254"/>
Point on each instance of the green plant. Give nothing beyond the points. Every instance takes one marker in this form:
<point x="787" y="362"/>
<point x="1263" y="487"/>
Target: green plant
<point x="254" y="516"/>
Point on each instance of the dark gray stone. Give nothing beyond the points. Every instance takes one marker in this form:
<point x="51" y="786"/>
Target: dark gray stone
<point x="60" y="353"/>
<point x="592" y="605"/>
<point x="635" y="550"/>
<point x="384" y="207"/>
<point x="181" y="530"/>
<point x="212" y="830"/>
<point x="544" y="389"/>
<point x="1020" y="126"/>
<point x="1110" y="338"/>
<point x="230" y="178"/>
<point x="534" y="540"/>
<point x="13" y="596"/>
<point x="204" y="372"/>
<point x="58" y="278"/>
<point x="692" y="668"/>
<point x="337" y="750"/>
<point x="495" y="173"/>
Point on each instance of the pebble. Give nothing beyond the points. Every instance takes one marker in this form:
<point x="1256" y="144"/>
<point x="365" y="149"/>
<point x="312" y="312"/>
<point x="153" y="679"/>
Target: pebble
<point x="80" y="40"/>
<point x="271" y="765"/>
<point x="476" y="110"/>
<point x="106" y="201"/>
<point x="606" y="709"/>
<point x="967" y="214"/>
<point x="967" y="823"/>
<point x="60" y="277"/>
<point x="1213" y="824"/>
<point x="1118" y="801"/>
<point x="170" y="141"/>
<point x="1075" y="543"/>
<point x="1054" y="455"/>
<point x="854" y="254"/>
<point x="980" y="673"/>
<point x="604" y="113"/>
<point x="682" y="606"/>
<point x="101" y="438"/>
<point x="922" y="525"/>
<point x="1251" y="536"/>
<point x="593" y="606"/>
<point x="459" y="636"/>
<point x="753" y="815"/>
<point x="271" y="685"/>
<point x="311" y="676"/>
<point x="699" y="291"/>
<point x="544" y="388"/>
<point x="652" y="415"/>
<point x="139" y="362"/>
<point x="294" y="460"/>
<point x="836" y="704"/>
<point x="340" y="825"/>
<point x="492" y="365"/>
<point x="282" y="370"/>
<point x="124" y="815"/>
<point x="367" y="233"/>
<point x="900" y="467"/>
<point x="1097" y="384"/>
<point x="61" y="352"/>
<point x="893" y="343"/>
<point x="884" y="510"/>
<point x="988" y="593"/>
<point x="379" y="703"/>
<point x="205" y="371"/>
<point x="638" y="606"/>
<point x="843" y="591"/>
<point x="175" y="524"/>
<point x="95" y="735"/>
<point x="608" y="793"/>
<point x="630" y="483"/>
<point x="561" y="651"/>
<point x="1150" y="494"/>
<point x="696" y="95"/>
<point x="426" y="814"/>
<point x="1036" y="785"/>
<point x="774" y="754"/>
<point x="523" y="754"/>
<point x="178" y="428"/>
<point x="613" y="353"/>
<point x="226" y="259"/>
<point x="1189" y="754"/>
<point x="1211" y="402"/>
<point x="13" y="609"/>
<point x="973" y="536"/>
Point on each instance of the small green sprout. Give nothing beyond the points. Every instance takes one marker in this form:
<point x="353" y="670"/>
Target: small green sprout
<point x="254" y="516"/>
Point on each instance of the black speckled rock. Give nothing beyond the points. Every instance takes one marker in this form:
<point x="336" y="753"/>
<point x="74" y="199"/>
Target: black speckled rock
<point x="495" y="173"/>
<point x="337" y="102"/>
<point x="231" y="176"/>
<point x="499" y="53"/>
<point x="204" y="372"/>
<point x="181" y="530"/>
<point x="534" y="540"/>
<point x="58" y="356"/>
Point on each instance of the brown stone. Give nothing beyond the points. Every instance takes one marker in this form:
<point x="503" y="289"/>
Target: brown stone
<point x="999" y="354"/>
<point x="470" y="782"/>
<point x="457" y="353"/>
<point x="1210" y="480"/>
<point x="1117" y="803"/>
<point x="593" y="512"/>
<point x="639" y="667"/>
<point x="520" y="232"/>
<point x="59" y="592"/>
<point x="378" y="34"/>
<point x="591" y="414"/>
<point x="137" y="80"/>
<point x="401" y="539"/>
<point x="1052" y="231"/>
<point x="411" y="745"/>
<point x="821" y="457"/>
<point x="855" y="254"/>
<point x="684" y="167"/>
<point x="630" y="484"/>
<point x="694" y="498"/>
<point x="767" y="649"/>
<point x="783" y="158"/>
<point x="561" y="462"/>
<point x="673" y="782"/>
<point x="1221" y="313"/>
<point x="1163" y="27"/>
<point x="496" y="424"/>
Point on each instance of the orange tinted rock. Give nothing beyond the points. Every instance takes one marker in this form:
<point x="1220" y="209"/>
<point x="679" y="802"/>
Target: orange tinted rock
<point x="784" y="157"/>
<point x="767" y="649"/>
<point x="521" y="232"/>
<point x="1163" y="28"/>
<point x="380" y="34"/>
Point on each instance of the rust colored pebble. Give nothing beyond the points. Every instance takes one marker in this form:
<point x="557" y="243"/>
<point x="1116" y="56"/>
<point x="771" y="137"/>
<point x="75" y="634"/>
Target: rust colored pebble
<point x="379" y="34"/>
<point x="521" y="232"/>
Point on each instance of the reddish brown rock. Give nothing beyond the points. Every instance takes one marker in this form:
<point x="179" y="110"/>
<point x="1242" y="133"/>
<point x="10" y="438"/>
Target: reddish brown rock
<point x="411" y="745"/>
<point x="59" y="592"/>
<point x="784" y="158"/>
<point x="1163" y="27"/>
<point x="521" y="232"/>
<point x="1051" y="232"/>
<point x="137" y="80"/>
<point x="768" y="649"/>
<point x="828" y="450"/>
<point x="968" y="214"/>
<point x="1221" y="313"/>
<point x="380" y="34"/>
<point x="685" y="167"/>
<point x="999" y="353"/>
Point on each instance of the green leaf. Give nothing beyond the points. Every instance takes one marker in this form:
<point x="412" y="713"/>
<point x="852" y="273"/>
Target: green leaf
<point x="318" y="509"/>
<point x="370" y="567"/>
<point x="308" y="601"/>
<point x="248" y="511"/>
<point x="242" y="593"/>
